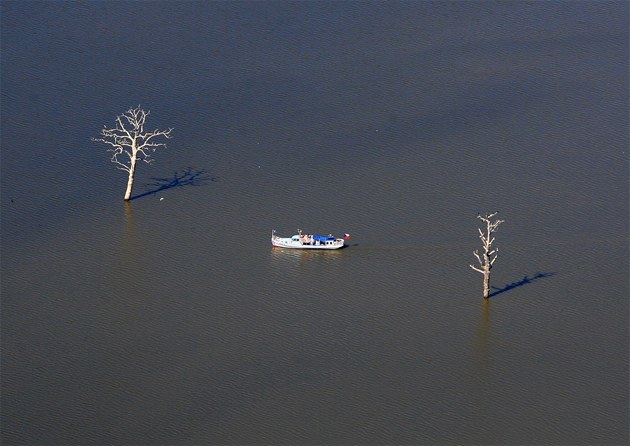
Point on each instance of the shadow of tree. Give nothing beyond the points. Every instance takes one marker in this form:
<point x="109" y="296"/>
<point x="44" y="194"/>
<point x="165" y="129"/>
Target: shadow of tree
<point x="524" y="281"/>
<point x="183" y="178"/>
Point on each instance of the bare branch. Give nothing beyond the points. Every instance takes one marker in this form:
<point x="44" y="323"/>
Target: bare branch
<point x="476" y="269"/>
<point x="121" y="166"/>
<point x="121" y="127"/>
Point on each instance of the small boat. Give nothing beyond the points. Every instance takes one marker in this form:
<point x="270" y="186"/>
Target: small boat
<point x="307" y="241"/>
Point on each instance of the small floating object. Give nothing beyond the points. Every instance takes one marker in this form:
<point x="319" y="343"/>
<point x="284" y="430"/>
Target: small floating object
<point x="307" y="241"/>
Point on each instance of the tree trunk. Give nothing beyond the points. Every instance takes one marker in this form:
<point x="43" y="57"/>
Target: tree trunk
<point x="486" y="283"/>
<point x="486" y="272"/>
<point x="132" y="170"/>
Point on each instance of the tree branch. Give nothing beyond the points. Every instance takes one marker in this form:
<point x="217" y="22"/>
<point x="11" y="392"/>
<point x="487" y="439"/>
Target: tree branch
<point x="495" y="257"/>
<point x="120" y="165"/>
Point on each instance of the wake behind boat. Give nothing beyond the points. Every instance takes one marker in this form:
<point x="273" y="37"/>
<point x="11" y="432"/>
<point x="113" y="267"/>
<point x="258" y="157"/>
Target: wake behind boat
<point x="307" y="241"/>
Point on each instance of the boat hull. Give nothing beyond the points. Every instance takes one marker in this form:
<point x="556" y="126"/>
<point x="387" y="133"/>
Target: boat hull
<point x="301" y="246"/>
<point x="292" y="243"/>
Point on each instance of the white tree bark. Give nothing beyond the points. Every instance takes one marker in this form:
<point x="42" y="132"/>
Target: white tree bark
<point x="489" y="255"/>
<point x="129" y="142"/>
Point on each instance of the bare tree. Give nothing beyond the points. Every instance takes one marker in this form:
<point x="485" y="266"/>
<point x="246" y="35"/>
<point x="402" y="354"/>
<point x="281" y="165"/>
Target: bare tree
<point x="129" y="142"/>
<point x="489" y="255"/>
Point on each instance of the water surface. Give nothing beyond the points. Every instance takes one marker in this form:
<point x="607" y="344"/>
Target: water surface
<point x="171" y="320"/>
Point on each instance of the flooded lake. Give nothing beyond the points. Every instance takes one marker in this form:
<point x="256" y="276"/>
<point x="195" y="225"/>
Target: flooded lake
<point x="171" y="320"/>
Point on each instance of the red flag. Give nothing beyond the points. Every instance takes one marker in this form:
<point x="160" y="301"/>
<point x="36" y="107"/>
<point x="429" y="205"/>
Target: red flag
<point x="346" y="236"/>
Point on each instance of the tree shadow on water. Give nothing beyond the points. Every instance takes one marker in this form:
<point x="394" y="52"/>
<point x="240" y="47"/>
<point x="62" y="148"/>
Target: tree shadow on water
<point x="524" y="281"/>
<point x="183" y="178"/>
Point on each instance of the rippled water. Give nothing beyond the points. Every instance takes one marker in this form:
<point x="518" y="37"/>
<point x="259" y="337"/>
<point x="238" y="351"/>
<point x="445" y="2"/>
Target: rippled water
<point x="171" y="320"/>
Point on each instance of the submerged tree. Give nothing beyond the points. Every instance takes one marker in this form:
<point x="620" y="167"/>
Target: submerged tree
<point x="489" y="255"/>
<point x="129" y="142"/>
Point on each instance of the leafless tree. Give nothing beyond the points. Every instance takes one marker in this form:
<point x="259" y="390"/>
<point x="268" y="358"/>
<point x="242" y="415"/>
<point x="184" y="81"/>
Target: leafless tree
<point x="129" y="142"/>
<point x="489" y="255"/>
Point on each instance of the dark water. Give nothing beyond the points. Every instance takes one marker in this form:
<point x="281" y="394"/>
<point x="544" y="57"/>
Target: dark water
<point x="173" y="321"/>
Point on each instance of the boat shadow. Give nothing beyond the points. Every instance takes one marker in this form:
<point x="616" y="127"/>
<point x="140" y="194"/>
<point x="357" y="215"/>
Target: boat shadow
<point x="524" y="281"/>
<point x="185" y="177"/>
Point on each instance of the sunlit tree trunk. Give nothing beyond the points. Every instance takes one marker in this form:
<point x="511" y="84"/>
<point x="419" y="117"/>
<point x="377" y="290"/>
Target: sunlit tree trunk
<point x="132" y="170"/>
<point x="486" y="281"/>
<point x="489" y="255"/>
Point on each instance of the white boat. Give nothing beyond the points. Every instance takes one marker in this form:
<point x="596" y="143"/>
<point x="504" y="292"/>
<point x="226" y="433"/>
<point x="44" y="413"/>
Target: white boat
<point x="307" y="241"/>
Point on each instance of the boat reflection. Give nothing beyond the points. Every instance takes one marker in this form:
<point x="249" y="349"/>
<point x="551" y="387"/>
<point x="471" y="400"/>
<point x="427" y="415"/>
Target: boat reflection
<point x="306" y="255"/>
<point x="292" y="261"/>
